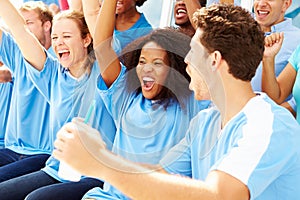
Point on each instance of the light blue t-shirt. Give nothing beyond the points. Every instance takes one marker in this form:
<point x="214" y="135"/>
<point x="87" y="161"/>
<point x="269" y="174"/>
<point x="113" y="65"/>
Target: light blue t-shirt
<point x="259" y="146"/>
<point x="27" y="129"/>
<point x="5" y="94"/>
<point x="122" y="38"/>
<point x="290" y="42"/>
<point x="145" y="129"/>
<point x="70" y="97"/>
<point x="295" y="62"/>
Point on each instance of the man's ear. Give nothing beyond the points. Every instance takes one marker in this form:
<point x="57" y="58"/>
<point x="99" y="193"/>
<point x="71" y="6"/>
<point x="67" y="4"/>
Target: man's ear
<point x="216" y="58"/>
<point x="47" y="26"/>
<point x="286" y="5"/>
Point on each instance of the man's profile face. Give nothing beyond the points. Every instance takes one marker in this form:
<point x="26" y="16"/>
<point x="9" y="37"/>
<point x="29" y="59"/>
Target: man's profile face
<point x="197" y="59"/>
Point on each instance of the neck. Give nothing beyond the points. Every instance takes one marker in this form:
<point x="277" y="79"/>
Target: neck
<point x="268" y="28"/>
<point x="80" y="68"/>
<point x="125" y="20"/>
<point x="187" y="29"/>
<point x="238" y="93"/>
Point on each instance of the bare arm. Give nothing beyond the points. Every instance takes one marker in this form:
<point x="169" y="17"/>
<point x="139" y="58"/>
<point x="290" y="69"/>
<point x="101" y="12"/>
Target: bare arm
<point x="80" y="140"/>
<point x="30" y="47"/>
<point x="192" y="6"/>
<point x="91" y="9"/>
<point x="278" y="89"/>
<point x="109" y="63"/>
<point x="75" y="5"/>
<point x="289" y="107"/>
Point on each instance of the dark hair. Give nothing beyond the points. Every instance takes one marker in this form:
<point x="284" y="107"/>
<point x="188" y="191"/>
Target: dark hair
<point x="177" y="46"/>
<point x="140" y="2"/>
<point x="232" y="31"/>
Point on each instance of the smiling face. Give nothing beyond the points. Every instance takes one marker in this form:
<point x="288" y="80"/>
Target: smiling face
<point x="270" y="12"/>
<point x="152" y="69"/>
<point x="69" y="46"/>
<point x="199" y="68"/>
<point x="125" y="6"/>
<point x="180" y="13"/>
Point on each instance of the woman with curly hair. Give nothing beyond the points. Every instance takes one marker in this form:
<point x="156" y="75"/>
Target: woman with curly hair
<point x="146" y="90"/>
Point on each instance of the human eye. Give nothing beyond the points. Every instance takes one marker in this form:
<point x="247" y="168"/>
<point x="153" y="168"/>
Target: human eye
<point x="142" y="61"/>
<point x="158" y="63"/>
<point x="54" y="38"/>
<point x="29" y="22"/>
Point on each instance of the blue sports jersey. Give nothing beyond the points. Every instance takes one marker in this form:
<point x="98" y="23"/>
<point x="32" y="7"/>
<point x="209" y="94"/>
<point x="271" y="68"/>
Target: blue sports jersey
<point x="145" y="129"/>
<point x="70" y="97"/>
<point x="259" y="146"/>
<point x="27" y="129"/>
<point x="123" y="38"/>
<point x="290" y="42"/>
<point x="5" y="94"/>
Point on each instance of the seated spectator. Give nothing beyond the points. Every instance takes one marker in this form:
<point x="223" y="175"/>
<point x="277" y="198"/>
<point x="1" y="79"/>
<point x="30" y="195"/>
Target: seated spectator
<point x="244" y="147"/>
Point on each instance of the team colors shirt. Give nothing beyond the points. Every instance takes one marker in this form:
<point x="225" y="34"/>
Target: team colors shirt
<point x="290" y="43"/>
<point x="5" y="94"/>
<point x="139" y="29"/>
<point x="145" y="129"/>
<point x="27" y="129"/>
<point x="259" y="146"/>
<point x="70" y="97"/>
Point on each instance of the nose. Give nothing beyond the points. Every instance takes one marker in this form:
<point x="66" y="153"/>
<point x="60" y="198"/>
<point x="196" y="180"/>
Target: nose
<point x="59" y="41"/>
<point x="187" y="57"/>
<point x="147" y="67"/>
<point x="261" y="2"/>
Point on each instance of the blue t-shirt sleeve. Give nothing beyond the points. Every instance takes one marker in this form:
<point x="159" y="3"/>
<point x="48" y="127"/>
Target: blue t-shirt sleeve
<point x="261" y="156"/>
<point x="294" y="59"/>
<point x="115" y="97"/>
<point x="43" y="79"/>
<point x="10" y="53"/>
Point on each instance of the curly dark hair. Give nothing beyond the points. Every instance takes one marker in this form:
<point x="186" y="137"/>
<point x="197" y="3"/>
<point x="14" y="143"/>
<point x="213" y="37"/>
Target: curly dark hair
<point x="140" y="2"/>
<point x="176" y="44"/>
<point x="235" y="33"/>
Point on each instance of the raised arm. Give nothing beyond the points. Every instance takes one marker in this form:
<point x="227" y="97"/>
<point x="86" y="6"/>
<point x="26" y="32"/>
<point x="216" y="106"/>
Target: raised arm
<point x="29" y="45"/>
<point x="192" y="6"/>
<point x="90" y="8"/>
<point x="108" y="61"/>
<point x="278" y="89"/>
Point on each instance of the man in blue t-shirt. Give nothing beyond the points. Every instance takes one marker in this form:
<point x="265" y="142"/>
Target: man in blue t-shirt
<point x="244" y="147"/>
<point x="271" y="17"/>
<point x="28" y="142"/>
